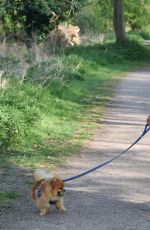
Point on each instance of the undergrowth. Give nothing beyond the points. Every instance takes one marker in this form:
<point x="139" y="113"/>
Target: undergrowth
<point x="49" y="114"/>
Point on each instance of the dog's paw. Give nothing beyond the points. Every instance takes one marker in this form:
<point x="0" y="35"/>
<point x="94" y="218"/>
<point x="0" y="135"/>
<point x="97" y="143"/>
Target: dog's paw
<point x="44" y="212"/>
<point x="63" y="209"/>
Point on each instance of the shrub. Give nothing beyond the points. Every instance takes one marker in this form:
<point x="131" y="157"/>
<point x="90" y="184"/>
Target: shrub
<point x="13" y="67"/>
<point x="55" y="69"/>
<point x="18" y="114"/>
<point x="145" y="35"/>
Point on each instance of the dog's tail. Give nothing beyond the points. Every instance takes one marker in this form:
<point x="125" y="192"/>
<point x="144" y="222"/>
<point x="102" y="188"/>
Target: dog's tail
<point x="33" y="191"/>
<point x="40" y="174"/>
<point x="35" y="188"/>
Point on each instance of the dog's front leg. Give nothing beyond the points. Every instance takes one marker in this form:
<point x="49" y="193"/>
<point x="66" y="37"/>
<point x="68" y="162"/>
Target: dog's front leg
<point x="60" y="205"/>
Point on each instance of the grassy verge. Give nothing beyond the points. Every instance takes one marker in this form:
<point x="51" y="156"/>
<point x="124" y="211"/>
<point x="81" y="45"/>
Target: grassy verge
<point x="7" y="198"/>
<point x="43" y="120"/>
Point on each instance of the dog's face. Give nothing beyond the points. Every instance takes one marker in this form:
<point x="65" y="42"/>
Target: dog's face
<point x="57" y="186"/>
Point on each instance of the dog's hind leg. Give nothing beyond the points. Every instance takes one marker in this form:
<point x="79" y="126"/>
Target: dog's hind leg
<point x="44" y="207"/>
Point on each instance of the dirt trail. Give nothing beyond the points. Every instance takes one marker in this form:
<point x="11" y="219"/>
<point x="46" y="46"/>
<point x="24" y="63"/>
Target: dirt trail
<point x="116" y="197"/>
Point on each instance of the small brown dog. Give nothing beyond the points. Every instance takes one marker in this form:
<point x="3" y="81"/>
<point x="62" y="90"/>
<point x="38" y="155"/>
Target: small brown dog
<point x="47" y="190"/>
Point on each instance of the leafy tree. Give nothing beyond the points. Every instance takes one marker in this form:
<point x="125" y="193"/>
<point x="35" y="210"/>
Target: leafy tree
<point x="98" y="16"/>
<point x="137" y="14"/>
<point x="95" y="17"/>
<point x="38" y="16"/>
<point x="10" y="21"/>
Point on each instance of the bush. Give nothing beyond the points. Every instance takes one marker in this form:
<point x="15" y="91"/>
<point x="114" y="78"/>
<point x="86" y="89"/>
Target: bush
<point x="4" y="127"/>
<point x="112" y="53"/>
<point x="56" y="69"/>
<point x="134" y="51"/>
<point x="145" y="35"/>
<point x="23" y="104"/>
<point x="18" y="114"/>
<point x="13" y="67"/>
<point x="95" y="18"/>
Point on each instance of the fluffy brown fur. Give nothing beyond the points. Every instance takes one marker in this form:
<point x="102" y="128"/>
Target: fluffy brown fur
<point x="52" y="190"/>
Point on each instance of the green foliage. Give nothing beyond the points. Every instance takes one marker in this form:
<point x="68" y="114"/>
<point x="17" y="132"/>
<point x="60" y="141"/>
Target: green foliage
<point x="133" y="51"/>
<point x="16" y="111"/>
<point x="95" y="17"/>
<point x="135" y="36"/>
<point x="137" y="14"/>
<point x="41" y="124"/>
<point x="35" y="16"/>
<point x="56" y="69"/>
<point x="113" y="53"/>
<point x="7" y="128"/>
<point x="10" y="18"/>
<point x="7" y="198"/>
<point x="145" y="35"/>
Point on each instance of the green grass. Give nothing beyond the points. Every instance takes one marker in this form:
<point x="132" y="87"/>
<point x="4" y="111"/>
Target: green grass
<point x="42" y="124"/>
<point x="7" y="198"/>
<point x="139" y="36"/>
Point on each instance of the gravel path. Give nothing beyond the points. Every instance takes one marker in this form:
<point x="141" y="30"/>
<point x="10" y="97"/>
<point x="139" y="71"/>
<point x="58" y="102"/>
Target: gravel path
<point x="116" y="197"/>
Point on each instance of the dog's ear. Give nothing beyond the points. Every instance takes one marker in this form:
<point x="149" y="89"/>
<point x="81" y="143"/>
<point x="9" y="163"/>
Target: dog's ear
<point x="57" y="183"/>
<point x="54" y="182"/>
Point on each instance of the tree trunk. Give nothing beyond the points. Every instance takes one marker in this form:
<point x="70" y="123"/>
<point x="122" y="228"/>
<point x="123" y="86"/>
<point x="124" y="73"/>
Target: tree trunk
<point x="118" y="21"/>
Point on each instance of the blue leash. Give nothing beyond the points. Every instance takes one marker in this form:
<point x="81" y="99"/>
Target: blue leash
<point x="146" y="129"/>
